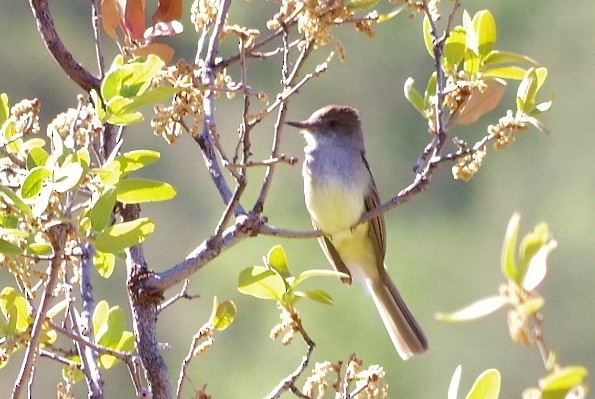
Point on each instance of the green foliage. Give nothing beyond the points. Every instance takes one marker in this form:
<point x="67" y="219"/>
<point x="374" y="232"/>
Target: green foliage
<point x="223" y="314"/>
<point x="275" y="281"/>
<point x="476" y="74"/>
<point x="127" y="86"/>
<point x="486" y="386"/>
<point x="109" y="332"/>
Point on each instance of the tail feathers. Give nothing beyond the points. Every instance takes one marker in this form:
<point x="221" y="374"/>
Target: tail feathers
<point x="406" y="335"/>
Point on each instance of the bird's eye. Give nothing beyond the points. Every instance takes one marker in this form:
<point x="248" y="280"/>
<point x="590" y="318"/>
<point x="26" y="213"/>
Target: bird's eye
<point x="332" y="123"/>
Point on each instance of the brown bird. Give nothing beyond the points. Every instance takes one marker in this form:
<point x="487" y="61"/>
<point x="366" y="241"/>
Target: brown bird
<point x="339" y="189"/>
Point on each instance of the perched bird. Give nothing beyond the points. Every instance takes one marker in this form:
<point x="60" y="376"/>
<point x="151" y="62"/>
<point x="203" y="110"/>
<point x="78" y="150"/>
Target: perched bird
<point x="339" y="189"/>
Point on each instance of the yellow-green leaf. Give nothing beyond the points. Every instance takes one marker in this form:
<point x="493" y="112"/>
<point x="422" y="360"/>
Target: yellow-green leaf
<point x="223" y="314"/>
<point x="277" y="259"/>
<point x="118" y="237"/>
<point x="454" y="47"/>
<point x="137" y="191"/>
<point x="34" y="181"/>
<point x="104" y="263"/>
<point x="486" y="386"/>
<point x="559" y="382"/>
<point x="485" y="29"/>
<point x="508" y="261"/>
<point x="101" y="212"/>
<point x="261" y="282"/>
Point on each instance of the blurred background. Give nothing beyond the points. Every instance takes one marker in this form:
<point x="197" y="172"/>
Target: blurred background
<point x="443" y="246"/>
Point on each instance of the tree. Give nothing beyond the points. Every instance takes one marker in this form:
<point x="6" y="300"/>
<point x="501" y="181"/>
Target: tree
<point x="72" y="205"/>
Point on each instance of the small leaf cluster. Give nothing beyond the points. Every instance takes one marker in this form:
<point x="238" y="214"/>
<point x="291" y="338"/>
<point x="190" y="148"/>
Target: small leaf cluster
<point x="275" y="281"/>
<point x="525" y="268"/>
<point x="486" y="386"/>
<point x="128" y="86"/>
<point x="475" y="76"/>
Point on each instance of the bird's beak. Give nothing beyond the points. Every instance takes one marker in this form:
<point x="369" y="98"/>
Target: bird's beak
<point x="300" y="124"/>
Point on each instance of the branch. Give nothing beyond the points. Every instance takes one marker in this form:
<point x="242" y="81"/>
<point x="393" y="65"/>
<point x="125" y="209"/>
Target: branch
<point x="244" y="227"/>
<point x="144" y="316"/>
<point x="57" y="235"/>
<point x="75" y="70"/>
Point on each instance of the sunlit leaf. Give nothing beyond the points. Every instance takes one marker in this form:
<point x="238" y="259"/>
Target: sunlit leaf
<point x="261" y="282"/>
<point x="104" y="263"/>
<point x="8" y="248"/>
<point x="537" y="266"/>
<point x="150" y="97"/>
<point x="223" y="314"/>
<point x="486" y="386"/>
<point x="531" y="306"/>
<point x="35" y="180"/>
<point x="124" y="164"/>
<point x="455" y="381"/>
<point x="37" y="156"/>
<point x="118" y="237"/>
<point x="527" y="92"/>
<point x="454" y="47"/>
<point x="320" y="296"/>
<point x="557" y="384"/>
<point x="101" y="212"/>
<point x="480" y="308"/>
<point x="4" y="108"/>
<point x="39" y="249"/>
<point x="508" y="260"/>
<point x="496" y="57"/>
<point x="277" y="259"/>
<point x="427" y="33"/>
<point x="485" y="29"/>
<point x="511" y="72"/>
<point x="16" y="309"/>
<point x="162" y="50"/>
<point x="413" y="96"/>
<point x="137" y="191"/>
<point x="317" y="273"/>
<point x="68" y="177"/>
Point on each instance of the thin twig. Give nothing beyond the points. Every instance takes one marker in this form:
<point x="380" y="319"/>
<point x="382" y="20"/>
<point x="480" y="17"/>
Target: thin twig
<point x="96" y="18"/>
<point x="183" y="294"/>
<point x="76" y="71"/>
<point x="205" y="332"/>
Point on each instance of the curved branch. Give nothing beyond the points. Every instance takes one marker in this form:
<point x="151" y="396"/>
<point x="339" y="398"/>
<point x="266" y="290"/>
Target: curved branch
<point x="45" y="24"/>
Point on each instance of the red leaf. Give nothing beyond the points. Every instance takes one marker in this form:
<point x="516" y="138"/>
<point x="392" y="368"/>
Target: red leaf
<point x="164" y="51"/>
<point x="110" y="17"/>
<point x="168" y="10"/>
<point x="134" y="18"/>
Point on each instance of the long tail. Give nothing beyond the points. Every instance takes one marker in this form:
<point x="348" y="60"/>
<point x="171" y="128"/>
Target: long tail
<point x="407" y="336"/>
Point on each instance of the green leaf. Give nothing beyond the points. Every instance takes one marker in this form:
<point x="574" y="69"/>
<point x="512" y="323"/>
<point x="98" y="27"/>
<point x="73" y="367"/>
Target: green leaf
<point x="454" y="46"/>
<point x="427" y="33"/>
<point x="124" y="164"/>
<point x="508" y="262"/>
<point x="39" y="249"/>
<point x="126" y="344"/>
<point x="137" y="191"/>
<point x="118" y="237"/>
<point x="486" y="386"/>
<point x="507" y="72"/>
<point x="261" y="282"/>
<point x="477" y="309"/>
<point x="455" y="381"/>
<point x="35" y="181"/>
<point x="431" y="89"/>
<point x="485" y="29"/>
<point x="16" y="309"/>
<point x="8" y="248"/>
<point x="223" y="314"/>
<point x="101" y="212"/>
<point x="104" y="263"/>
<point x="390" y="15"/>
<point x="108" y="326"/>
<point x="317" y="273"/>
<point x="68" y="177"/>
<point x="277" y="260"/>
<point x="37" y="157"/>
<point x="496" y="57"/>
<point x="534" y="249"/>
<point x="4" y="108"/>
<point x="320" y="296"/>
<point x="13" y="199"/>
<point x="527" y="92"/>
<point x="151" y="96"/>
<point x="557" y="384"/>
<point x="413" y="96"/>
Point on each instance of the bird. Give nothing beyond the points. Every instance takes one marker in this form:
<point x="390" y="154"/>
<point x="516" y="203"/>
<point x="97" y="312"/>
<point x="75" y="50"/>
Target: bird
<point x="338" y="189"/>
